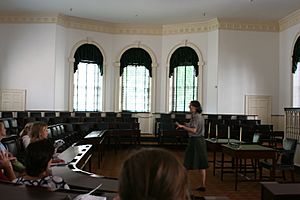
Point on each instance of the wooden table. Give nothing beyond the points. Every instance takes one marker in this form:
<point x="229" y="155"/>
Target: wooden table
<point x="10" y="191"/>
<point x="215" y="146"/>
<point x="280" y="191"/>
<point x="247" y="151"/>
<point x="76" y="156"/>
<point x="96" y="138"/>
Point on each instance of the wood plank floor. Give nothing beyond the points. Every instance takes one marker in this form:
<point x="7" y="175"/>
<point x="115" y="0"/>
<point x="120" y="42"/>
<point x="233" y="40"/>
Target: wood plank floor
<point x="112" y="163"/>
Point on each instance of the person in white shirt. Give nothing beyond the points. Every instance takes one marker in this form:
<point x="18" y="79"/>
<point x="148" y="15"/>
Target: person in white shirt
<point x="24" y="134"/>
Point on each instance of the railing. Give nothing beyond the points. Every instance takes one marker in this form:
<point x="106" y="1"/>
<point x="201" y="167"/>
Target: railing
<point x="292" y="123"/>
<point x="292" y="129"/>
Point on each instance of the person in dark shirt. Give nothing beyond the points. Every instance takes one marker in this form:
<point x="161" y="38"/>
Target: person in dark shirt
<point x="37" y="161"/>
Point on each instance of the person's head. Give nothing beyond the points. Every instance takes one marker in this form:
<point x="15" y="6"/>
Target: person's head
<point x="195" y="107"/>
<point x="27" y="129"/>
<point x="38" y="157"/>
<point x="2" y="130"/>
<point x="38" y="131"/>
<point x="152" y="174"/>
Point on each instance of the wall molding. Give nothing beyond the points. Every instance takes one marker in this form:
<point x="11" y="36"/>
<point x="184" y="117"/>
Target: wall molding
<point x="142" y="29"/>
<point x="257" y="26"/>
<point x="290" y="20"/>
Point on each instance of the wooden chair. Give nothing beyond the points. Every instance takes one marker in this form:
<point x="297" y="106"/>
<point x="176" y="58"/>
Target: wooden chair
<point x="285" y="159"/>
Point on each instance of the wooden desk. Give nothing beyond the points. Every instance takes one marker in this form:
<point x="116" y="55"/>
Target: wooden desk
<point x="248" y="151"/>
<point x="280" y="191"/>
<point x="77" y="178"/>
<point x="215" y="146"/>
<point x="11" y="191"/>
<point x="96" y="138"/>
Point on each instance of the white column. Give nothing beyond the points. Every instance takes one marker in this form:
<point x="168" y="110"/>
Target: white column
<point x="153" y="88"/>
<point x="200" y="82"/>
<point x="71" y="83"/>
<point x="117" y="107"/>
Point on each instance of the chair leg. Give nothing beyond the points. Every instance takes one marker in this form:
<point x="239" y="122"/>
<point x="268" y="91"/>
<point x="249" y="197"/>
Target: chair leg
<point x="260" y="172"/>
<point x="292" y="175"/>
<point x="283" y="175"/>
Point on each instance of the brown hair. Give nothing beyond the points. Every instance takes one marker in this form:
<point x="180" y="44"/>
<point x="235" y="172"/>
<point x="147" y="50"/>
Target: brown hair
<point x="153" y="174"/>
<point x="36" y="128"/>
<point x="197" y="105"/>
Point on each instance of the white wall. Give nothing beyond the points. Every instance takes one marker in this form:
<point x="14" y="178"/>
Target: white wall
<point x="61" y="81"/>
<point x="287" y="39"/>
<point x="248" y="65"/>
<point x="36" y="58"/>
<point x="210" y="92"/>
<point x="27" y="59"/>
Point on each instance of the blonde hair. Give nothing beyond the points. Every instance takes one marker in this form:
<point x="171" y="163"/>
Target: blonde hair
<point x="36" y="128"/>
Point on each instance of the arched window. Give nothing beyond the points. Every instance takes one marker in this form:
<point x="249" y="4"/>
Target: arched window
<point x="296" y="74"/>
<point x="88" y="76"/>
<point x="183" y="75"/>
<point x="136" y="73"/>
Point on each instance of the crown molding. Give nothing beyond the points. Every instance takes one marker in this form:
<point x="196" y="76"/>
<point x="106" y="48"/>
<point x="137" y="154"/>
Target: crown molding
<point x="140" y="29"/>
<point x="25" y="17"/>
<point x="194" y="27"/>
<point x="227" y="24"/>
<point x="290" y="20"/>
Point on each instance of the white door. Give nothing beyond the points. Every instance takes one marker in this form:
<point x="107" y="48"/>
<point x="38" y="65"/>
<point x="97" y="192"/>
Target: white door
<point x="12" y="100"/>
<point x="259" y="105"/>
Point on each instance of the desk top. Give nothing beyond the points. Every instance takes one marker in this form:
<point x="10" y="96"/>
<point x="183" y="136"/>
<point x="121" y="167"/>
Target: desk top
<point x="95" y="134"/>
<point x="74" y="153"/>
<point x="282" y="188"/>
<point x="75" y="177"/>
<point x="10" y="191"/>
<point x="221" y="141"/>
<point x="247" y="147"/>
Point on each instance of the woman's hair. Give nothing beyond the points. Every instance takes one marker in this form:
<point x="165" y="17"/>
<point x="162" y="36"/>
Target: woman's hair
<point x="38" y="154"/>
<point x="197" y="105"/>
<point x="36" y="128"/>
<point x="27" y="129"/>
<point x="152" y="174"/>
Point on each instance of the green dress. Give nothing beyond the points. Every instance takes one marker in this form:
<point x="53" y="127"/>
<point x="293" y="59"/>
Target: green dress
<point x="196" y="151"/>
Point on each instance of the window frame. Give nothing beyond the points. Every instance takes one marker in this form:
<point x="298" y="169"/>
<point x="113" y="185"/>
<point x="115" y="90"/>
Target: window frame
<point x="71" y="61"/>
<point x="201" y="65"/>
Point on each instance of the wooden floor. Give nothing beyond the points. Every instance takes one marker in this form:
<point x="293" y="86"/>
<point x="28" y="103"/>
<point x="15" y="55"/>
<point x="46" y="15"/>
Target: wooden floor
<point x="112" y="162"/>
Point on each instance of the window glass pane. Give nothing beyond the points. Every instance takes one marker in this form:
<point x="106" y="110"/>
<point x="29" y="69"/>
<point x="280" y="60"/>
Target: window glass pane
<point x="184" y="88"/>
<point x="135" y="89"/>
<point x="87" y="88"/>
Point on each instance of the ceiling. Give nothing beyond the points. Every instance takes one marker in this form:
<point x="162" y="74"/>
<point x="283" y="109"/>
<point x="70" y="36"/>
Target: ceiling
<point x="158" y="11"/>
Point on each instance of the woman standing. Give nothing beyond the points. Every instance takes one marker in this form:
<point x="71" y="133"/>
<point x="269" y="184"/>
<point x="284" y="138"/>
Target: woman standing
<point x="196" y="152"/>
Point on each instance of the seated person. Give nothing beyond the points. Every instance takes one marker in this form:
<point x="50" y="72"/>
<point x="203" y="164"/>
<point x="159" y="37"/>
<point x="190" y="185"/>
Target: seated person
<point x="24" y="134"/>
<point x="153" y="174"/>
<point x="38" y="131"/>
<point x="2" y="135"/>
<point x="6" y="169"/>
<point x="37" y="161"/>
<point x="18" y="166"/>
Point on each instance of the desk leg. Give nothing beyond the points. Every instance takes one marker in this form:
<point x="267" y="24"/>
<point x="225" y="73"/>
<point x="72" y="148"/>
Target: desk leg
<point x="214" y="163"/>
<point x="272" y="176"/>
<point x="99" y="155"/>
<point x="222" y="166"/>
<point x="255" y="168"/>
<point x="236" y="172"/>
